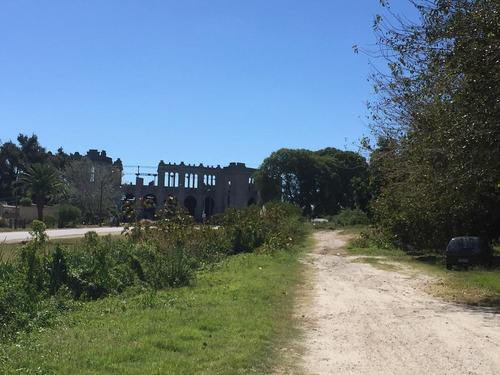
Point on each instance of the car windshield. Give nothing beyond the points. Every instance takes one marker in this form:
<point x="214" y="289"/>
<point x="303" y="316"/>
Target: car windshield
<point x="464" y="243"/>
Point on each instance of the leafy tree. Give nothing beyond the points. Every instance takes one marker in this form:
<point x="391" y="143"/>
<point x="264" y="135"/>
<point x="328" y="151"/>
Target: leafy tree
<point x="14" y="159"/>
<point x="60" y="160"/>
<point x="10" y="167"/>
<point x="321" y="182"/>
<point x="437" y="119"/>
<point x="43" y="182"/>
<point x="31" y="150"/>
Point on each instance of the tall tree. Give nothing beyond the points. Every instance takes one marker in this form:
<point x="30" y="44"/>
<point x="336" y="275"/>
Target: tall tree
<point x="43" y="181"/>
<point x="31" y="150"/>
<point x="93" y="187"/>
<point x="438" y="116"/>
<point x="14" y="159"/>
<point x="10" y="167"/>
<point x="59" y="160"/>
<point x="321" y="182"/>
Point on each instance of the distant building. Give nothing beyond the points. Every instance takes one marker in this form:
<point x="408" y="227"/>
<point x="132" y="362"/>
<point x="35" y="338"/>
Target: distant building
<point x="100" y="158"/>
<point x="202" y="190"/>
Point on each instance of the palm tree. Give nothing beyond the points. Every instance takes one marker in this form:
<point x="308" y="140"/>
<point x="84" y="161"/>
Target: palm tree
<point x="43" y="181"/>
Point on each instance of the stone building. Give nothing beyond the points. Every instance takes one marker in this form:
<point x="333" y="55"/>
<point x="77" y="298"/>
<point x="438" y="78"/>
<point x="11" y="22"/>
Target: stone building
<point x="202" y="190"/>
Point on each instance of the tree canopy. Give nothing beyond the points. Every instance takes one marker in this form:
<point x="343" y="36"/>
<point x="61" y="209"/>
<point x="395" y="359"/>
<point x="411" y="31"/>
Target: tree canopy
<point x="320" y="182"/>
<point x="16" y="158"/>
<point x="43" y="182"/>
<point x="437" y="118"/>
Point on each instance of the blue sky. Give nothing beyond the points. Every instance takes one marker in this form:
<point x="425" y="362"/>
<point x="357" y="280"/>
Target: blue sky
<point x="196" y="81"/>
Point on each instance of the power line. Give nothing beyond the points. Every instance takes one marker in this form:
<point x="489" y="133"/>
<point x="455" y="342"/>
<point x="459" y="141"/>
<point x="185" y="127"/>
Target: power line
<point x="139" y="166"/>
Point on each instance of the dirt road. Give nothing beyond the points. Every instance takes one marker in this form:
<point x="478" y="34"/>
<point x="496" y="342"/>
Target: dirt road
<point x="360" y="319"/>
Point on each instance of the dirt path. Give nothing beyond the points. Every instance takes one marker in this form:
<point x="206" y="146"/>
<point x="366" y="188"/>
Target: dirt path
<point x="359" y="319"/>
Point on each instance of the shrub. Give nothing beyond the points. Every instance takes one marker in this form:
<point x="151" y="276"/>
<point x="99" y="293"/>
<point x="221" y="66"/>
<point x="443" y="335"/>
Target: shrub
<point x="17" y="307"/>
<point x="164" y="266"/>
<point x="50" y="221"/>
<point x="58" y="270"/>
<point x="349" y="216"/>
<point x="68" y="216"/>
<point x="179" y="269"/>
<point x="4" y="223"/>
<point x="268" y="227"/>
<point x="25" y="201"/>
<point x="101" y="267"/>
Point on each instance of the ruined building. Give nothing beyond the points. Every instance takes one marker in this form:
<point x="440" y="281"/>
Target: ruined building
<point x="202" y="190"/>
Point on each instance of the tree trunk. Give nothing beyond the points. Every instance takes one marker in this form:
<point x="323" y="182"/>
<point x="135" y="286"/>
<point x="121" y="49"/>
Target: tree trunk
<point x="39" y="208"/>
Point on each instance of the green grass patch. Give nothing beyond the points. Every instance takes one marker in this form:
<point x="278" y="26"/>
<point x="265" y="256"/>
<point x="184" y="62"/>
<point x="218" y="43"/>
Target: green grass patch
<point x="231" y="320"/>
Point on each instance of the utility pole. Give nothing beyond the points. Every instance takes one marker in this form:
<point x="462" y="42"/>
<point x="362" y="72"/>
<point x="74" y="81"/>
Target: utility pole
<point x="16" y="215"/>
<point x="100" y="204"/>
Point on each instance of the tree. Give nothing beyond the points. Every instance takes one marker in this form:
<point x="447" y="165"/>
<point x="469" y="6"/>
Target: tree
<point x="438" y="120"/>
<point x="10" y="167"/>
<point x="93" y="187"/>
<point x="59" y="160"/>
<point x="14" y="159"/>
<point x="31" y="150"/>
<point x="321" y="182"/>
<point x="43" y="181"/>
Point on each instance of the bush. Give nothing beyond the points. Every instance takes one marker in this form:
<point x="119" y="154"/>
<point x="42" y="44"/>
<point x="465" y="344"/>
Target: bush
<point x="4" y="223"/>
<point x="347" y="217"/>
<point x="68" y="216"/>
<point x="50" y="221"/>
<point x="100" y="268"/>
<point x="17" y="306"/>
<point x="25" y="201"/>
<point x="265" y="228"/>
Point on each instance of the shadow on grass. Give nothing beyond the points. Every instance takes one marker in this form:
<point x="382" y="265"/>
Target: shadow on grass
<point x="438" y="260"/>
<point x="487" y="305"/>
<point x="430" y="259"/>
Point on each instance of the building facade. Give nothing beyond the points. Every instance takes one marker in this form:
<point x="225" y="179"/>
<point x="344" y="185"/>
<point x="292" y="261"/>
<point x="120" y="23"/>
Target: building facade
<point x="202" y="190"/>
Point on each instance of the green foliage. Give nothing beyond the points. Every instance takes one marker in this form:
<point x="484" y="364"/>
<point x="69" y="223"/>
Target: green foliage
<point x="101" y="267"/>
<point x="232" y="320"/>
<point x="319" y="182"/>
<point x="22" y="284"/>
<point x="348" y="217"/>
<point x="43" y="182"/>
<point x="14" y="159"/>
<point x="265" y="228"/>
<point x="438" y="126"/>
<point x="154" y="256"/>
<point x="58" y="270"/>
<point x="69" y="216"/>
<point x="17" y="306"/>
<point x="93" y="188"/>
<point x="50" y="221"/>
<point x="179" y="269"/>
<point x="25" y="201"/>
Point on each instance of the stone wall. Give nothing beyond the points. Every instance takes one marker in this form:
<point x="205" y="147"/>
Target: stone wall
<point x="28" y="213"/>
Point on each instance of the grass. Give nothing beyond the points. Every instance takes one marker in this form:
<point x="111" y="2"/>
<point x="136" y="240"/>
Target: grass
<point x="231" y="320"/>
<point x="475" y="286"/>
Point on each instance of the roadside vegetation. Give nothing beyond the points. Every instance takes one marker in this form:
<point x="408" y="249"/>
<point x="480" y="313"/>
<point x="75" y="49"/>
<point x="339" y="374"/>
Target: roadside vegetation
<point x="171" y="298"/>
